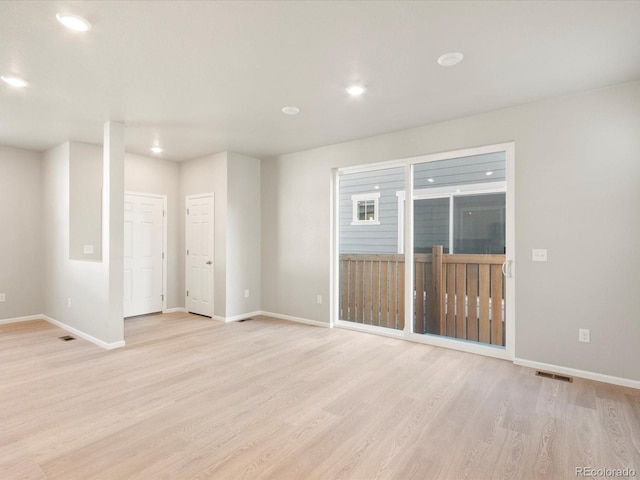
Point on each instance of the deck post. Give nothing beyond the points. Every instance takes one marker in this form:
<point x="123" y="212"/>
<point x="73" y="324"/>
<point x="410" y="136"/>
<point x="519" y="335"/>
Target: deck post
<point x="436" y="318"/>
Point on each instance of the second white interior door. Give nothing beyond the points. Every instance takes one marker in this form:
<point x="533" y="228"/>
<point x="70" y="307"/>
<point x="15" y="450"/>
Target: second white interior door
<point x="143" y="240"/>
<point x="200" y="248"/>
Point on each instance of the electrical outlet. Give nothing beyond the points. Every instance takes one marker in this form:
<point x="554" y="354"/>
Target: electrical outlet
<point x="246" y="294"/>
<point x="319" y="299"/>
<point x="88" y="249"/>
<point x="539" y="255"/>
<point x="2" y="297"/>
<point x="584" y="335"/>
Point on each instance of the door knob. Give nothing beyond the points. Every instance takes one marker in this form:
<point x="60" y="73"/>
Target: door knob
<point x="209" y="262"/>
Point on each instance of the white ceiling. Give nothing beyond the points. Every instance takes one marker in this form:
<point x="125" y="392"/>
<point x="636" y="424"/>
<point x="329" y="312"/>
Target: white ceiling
<point x="204" y="77"/>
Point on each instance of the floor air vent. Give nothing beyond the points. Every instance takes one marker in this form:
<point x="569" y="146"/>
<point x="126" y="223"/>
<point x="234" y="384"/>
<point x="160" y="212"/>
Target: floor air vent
<point x="67" y="338"/>
<point x="555" y="376"/>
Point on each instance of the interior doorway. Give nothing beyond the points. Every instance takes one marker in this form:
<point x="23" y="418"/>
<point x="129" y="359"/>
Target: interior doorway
<point x="144" y="257"/>
<point x="199" y="254"/>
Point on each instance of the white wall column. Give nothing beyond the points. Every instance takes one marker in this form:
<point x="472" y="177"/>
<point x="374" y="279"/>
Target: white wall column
<point x="113" y="226"/>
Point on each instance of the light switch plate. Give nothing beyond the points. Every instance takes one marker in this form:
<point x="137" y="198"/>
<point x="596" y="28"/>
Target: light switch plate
<point x="539" y="255"/>
<point x="2" y="297"/>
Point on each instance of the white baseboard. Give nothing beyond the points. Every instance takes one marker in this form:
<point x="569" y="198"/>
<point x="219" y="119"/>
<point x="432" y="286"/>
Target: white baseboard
<point x="244" y="316"/>
<point x="572" y="372"/>
<point x="21" y="319"/>
<point x="315" y="323"/>
<point x="175" y="310"/>
<point x="86" y="336"/>
<point x="236" y="318"/>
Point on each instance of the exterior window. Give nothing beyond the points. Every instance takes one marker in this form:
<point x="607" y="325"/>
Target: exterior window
<point x="365" y="209"/>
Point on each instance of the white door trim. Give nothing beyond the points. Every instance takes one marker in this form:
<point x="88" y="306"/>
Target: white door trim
<point x="164" y="239"/>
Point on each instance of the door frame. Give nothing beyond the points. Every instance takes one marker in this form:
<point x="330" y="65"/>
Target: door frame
<point x="508" y="352"/>
<point x="164" y="240"/>
<point x="213" y="250"/>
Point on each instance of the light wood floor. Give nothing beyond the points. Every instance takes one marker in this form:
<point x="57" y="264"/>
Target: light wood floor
<point x="189" y="397"/>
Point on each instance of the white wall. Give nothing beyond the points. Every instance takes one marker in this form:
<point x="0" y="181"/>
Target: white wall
<point x="295" y="232"/>
<point x="207" y="175"/>
<point x="577" y="193"/>
<point x="243" y="234"/>
<point x="161" y="177"/>
<point x="93" y="304"/>
<point x="82" y="282"/>
<point x="21" y="238"/>
<point x="85" y="201"/>
<point x="113" y="228"/>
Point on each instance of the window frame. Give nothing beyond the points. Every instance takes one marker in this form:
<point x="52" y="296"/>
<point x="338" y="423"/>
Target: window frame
<point x="366" y="197"/>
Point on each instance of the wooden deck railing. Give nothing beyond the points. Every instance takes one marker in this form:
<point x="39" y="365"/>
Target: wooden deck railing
<point x="372" y="289"/>
<point x="460" y="296"/>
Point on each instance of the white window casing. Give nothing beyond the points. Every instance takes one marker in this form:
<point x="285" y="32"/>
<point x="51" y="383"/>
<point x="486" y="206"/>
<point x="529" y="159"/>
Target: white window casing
<point x="366" y="200"/>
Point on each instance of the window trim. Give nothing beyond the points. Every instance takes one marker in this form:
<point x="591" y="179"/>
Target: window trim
<point x="363" y="197"/>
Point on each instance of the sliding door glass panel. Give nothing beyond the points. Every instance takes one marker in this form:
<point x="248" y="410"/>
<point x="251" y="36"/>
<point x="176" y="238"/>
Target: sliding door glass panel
<point x="371" y="267"/>
<point x="431" y="224"/>
<point x="459" y="248"/>
<point x="479" y="223"/>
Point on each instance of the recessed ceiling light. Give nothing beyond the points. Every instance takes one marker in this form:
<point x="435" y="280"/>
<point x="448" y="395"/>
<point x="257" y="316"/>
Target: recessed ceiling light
<point x="291" y="110"/>
<point x="430" y="180"/>
<point x="355" y="90"/>
<point x="489" y="173"/>
<point x="157" y="150"/>
<point x="376" y="187"/>
<point x="73" y="22"/>
<point x="450" y="59"/>
<point x="16" y="82"/>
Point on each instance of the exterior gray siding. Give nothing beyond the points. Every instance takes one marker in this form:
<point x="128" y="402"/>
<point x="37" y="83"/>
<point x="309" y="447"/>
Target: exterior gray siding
<point x="431" y="224"/>
<point x="381" y="238"/>
<point x="461" y="171"/>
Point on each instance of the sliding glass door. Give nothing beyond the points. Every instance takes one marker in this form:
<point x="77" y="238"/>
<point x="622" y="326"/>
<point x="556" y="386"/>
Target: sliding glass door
<point x="371" y="271"/>
<point x="424" y="248"/>
<point x="459" y="213"/>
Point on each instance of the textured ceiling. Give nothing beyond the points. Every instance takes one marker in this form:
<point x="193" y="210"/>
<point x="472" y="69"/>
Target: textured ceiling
<point x="204" y="77"/>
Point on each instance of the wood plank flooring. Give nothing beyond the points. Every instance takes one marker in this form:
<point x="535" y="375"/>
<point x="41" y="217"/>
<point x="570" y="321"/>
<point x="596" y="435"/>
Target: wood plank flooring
<point x="191" y="398"/>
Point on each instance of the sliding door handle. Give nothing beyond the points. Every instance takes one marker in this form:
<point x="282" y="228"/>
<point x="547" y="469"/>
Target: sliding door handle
<point x="506" y="268"/>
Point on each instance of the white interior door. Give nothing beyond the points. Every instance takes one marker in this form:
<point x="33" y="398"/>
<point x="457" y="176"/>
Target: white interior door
<point x="200" y="248"/>
<point x="143" y="241"/>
